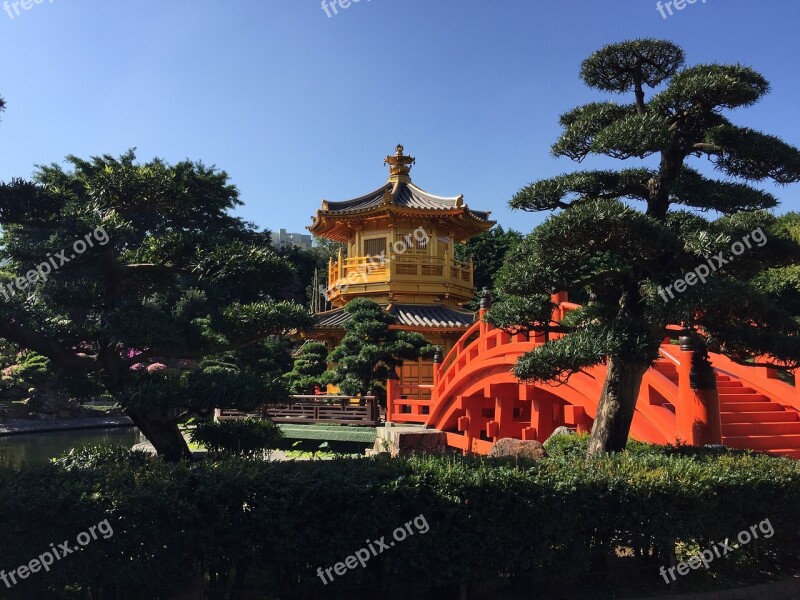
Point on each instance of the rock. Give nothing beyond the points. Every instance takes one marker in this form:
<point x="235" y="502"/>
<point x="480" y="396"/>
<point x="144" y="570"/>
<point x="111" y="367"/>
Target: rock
<point x="403" y="441"/>
<point x="51" y="403"/>
<point x="518" y="448"/>
<point x="146" y="447"/>
<point x="561" y="431"/>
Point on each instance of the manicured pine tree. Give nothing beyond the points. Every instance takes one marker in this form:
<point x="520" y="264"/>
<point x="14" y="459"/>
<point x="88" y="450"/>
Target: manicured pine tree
<point x="620" y="261"/>
<point x="170" y="276"/>
<point x="309" y="369"/>
<point x="370" y="349"/>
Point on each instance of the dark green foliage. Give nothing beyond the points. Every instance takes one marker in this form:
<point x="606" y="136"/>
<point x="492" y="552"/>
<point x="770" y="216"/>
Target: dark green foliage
<point x="549" y="525"/>
<point x="370" y="350"/>
<point x="199" y="393"/>
<point x="621" y="263"/>
<point x="488" y="251"/>
<point x="309" y="368"/>
<point x="170" y="276"/>
<point x="624" y="66"/>
<point x="33" y="370"/>
<point x="245" y="438"/>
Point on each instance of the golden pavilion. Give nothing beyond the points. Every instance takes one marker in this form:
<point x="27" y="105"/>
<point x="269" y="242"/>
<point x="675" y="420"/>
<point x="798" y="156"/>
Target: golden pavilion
<point x="398" y="249"/>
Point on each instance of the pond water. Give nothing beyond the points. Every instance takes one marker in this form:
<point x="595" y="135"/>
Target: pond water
<point x="37" y="448"/>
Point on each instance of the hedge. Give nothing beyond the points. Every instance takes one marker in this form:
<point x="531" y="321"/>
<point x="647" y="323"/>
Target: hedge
<point x="496" y="526"/>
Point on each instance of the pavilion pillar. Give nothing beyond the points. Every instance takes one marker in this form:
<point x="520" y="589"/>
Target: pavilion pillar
<point x="391" y="394"/>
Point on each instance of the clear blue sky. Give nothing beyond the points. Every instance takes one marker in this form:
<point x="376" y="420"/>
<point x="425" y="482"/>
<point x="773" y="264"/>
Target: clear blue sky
<point x="297" y="106"/>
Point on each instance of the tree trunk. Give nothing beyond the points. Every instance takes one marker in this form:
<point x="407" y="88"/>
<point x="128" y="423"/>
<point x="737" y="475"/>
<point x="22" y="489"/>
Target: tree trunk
<point x="617" y="405"/>
<point x="161" y="431"/>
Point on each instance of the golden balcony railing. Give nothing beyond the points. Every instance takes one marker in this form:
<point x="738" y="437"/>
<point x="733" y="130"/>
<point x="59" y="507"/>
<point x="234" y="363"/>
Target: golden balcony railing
<point x="367" y="271"/>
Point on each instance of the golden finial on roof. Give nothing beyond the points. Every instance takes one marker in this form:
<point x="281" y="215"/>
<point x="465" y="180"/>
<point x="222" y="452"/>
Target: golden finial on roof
<point x="399" y="164"/>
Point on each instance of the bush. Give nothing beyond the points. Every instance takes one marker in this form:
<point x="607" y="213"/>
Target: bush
<point x="32" y="370"/>
<point x="551" y="525"/>
<point x="246" y="438"/>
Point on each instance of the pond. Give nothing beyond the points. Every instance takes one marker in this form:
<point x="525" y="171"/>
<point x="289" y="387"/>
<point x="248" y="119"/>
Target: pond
<point x="37" y="448"/>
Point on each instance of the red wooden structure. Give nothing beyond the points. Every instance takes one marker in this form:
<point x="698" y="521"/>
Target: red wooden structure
<point x="476" y="400"/>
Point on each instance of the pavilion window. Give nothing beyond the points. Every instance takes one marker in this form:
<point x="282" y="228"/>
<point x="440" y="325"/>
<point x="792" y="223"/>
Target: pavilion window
<point x="375" y="247"/>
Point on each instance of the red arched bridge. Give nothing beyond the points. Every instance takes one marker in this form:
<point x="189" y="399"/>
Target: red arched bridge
<point x="476" y="400"/>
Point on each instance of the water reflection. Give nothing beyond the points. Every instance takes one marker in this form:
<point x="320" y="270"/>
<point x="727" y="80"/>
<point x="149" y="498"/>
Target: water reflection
<point x="33" y="448"/>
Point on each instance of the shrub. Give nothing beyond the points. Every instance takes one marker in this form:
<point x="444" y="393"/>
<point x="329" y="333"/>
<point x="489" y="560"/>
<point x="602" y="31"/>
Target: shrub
<point x="246" y="438"/>
<point x="33" y="370"/>
<point x="264" y="528"/>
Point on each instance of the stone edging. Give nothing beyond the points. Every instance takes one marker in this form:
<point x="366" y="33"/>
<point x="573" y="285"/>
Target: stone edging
<point x="21" y="427"/>
<point x="785" y="589"/>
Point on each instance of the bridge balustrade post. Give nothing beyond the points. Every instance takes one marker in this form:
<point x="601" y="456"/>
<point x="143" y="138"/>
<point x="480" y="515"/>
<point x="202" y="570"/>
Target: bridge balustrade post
<point x="698" y="411"/>
<point x="797" y="383"/>
<point x="437" y="367"/>
<point x="558" y="298"/>
<point x="486" y="304"/>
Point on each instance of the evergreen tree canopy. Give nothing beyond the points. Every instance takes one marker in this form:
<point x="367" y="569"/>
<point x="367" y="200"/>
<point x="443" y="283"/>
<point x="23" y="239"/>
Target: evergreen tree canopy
<point x="309" y="369"/>
<point x="488" y="251"/>
<point x="371" y="350"/>
<point x="624" y="263"/>
<point x="163" y="273"/>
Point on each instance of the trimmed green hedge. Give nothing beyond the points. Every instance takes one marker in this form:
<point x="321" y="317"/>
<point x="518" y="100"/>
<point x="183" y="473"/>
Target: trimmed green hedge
<point x="245" y="438"/>
<point x="494" y="524"/>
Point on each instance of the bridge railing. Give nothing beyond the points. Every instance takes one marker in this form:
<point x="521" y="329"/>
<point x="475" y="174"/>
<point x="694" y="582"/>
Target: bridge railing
<point x="674" y="406"/>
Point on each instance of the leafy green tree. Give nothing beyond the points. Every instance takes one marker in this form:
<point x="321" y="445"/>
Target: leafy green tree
<point x="147" y="268"/>
<point x="783" y="283"/>
<point x="309" y="369"/>
<point x="488" y="251"/>
<point x="625" y="262"/>
<point x="370" y="349"/>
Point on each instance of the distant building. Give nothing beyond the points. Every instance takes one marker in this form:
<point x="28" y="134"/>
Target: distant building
<point x="282" y="239"/>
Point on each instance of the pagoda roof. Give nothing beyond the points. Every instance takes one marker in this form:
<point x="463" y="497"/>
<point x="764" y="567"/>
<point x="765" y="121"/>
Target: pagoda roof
<point x="398" y="196"/>
<point x="403" y="194"/>
<point x="408" y="315"/>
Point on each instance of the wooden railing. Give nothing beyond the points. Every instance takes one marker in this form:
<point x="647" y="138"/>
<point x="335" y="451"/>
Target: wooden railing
<point x="340" y="410"/>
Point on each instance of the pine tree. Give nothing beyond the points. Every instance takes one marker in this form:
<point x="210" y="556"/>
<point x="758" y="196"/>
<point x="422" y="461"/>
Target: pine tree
<point x="126" y="270"/>
<point x="370" y="349"/>
<point x="620" y="262"/>
<point x="309" y="369"/>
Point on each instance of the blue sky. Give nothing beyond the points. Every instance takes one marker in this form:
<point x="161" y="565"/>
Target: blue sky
<point x="297" y="106"/>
